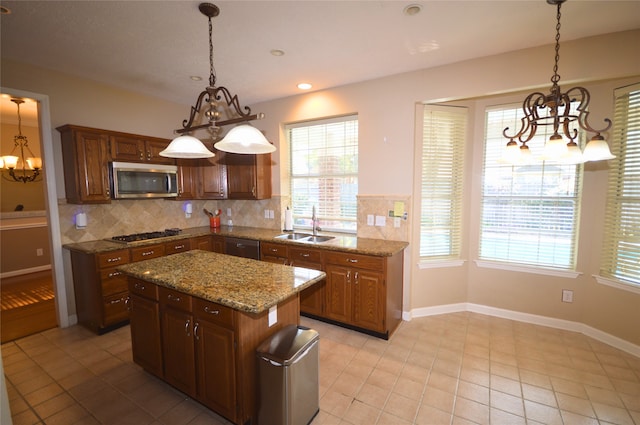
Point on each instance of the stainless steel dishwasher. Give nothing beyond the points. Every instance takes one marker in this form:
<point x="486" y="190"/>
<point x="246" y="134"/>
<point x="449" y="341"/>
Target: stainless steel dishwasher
<point x="247" y="248"/>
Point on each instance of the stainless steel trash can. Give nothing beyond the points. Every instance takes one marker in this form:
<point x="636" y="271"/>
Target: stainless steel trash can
<point x="288" y="377"/>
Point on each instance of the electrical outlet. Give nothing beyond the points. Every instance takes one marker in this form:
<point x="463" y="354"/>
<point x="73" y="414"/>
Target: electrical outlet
<point x="369" y="219"/>
<point x="39" y="252"/>
<point x="381" y="220"/>
<point x="567" y="296"/>
<point x="266" y="213"/>
<point x="228" y="212"/>
<point x="271" y="215"/>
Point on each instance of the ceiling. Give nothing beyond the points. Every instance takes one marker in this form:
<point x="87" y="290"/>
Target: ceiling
<point x="154" y="47"/>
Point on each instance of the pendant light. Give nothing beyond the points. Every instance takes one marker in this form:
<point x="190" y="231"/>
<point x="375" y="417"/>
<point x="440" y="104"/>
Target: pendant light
<point x="249" y="141"/>
<point x="26" y="167"/>
<point x="553" y="109"/>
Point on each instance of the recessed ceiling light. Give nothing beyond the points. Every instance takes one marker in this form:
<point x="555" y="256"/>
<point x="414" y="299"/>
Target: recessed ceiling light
<point x="277" y="52"/>
<point x="195" y="78"/>
<point x="304" y="86"/>
<point x="412" y="9"/>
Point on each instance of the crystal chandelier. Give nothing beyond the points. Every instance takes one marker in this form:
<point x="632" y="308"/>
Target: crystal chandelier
<point x="554" y="109"/>
<point x="23" y="168"/>
<point x="241" y="139"/>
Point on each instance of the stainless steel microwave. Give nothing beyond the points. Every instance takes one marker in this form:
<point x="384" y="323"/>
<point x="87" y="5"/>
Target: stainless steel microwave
<point x="129" y="180"/>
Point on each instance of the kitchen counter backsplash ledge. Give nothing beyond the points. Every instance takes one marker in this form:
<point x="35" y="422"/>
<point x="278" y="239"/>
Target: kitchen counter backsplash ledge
<point x="345" y="243"/>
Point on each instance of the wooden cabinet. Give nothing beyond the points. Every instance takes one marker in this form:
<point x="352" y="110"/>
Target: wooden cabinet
<point x="201" y="242"/>
<point x="147" y="252"/>
<point x="144" y="312"/>
<point x="248" y="176"/>
<point x="178" y="347"/>
<point x="186" y="179"/>
<point x="358" y="292"/>
<point x="132" y="148"/>
<point x="202" y="178"/>
<point x="100" y="290"/>
<point x="85" y="158"/>
<point x="312" y="299"/>
<point x="217" y="243"/>
<point x="215" y="357"/>
<point x="175" y="247"/>
<point x="274" y="253"/>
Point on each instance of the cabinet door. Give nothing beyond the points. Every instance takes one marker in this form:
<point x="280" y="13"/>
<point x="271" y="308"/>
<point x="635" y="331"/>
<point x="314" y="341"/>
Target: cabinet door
<point x="92" y="168"/>
<point x="126" y="148"/>
<point x="248" y="176"/>
<point x="186" y="179"/>
<point x="178" y="350"/>
<point x="368" y="300"/>
<point x="312" y="299"/>
<point x="216" y="368"/>
<point x="338" y="293"/>
<point x="175" y="247"/>
<point x="153" y="148"/>
<point x="203" y="243"/>
<point x="274" y="253"/>
<point x="212" y="178"/>
<point x="145" y="333"/>
<point x="217" y="244"/>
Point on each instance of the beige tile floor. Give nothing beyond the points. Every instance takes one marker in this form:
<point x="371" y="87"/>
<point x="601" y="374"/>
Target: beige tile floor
<point x="460" y="368"/>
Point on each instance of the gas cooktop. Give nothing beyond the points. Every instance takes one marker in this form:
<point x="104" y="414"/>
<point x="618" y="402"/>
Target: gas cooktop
<point x="135" y="237"/>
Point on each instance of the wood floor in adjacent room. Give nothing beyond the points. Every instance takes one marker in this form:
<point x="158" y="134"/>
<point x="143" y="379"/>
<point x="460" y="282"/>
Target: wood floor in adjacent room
<point x="28" y="305"/>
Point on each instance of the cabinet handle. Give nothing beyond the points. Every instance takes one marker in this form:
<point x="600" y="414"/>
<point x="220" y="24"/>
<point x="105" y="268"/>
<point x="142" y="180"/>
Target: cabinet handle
<point x="144" y="254"/>
<point x="207" y="310"/>
<point x="305" y="254"/>
<point x="253" y="191"/>
<point x="141" y="155"/>
<point x="115" y="301"/>
<point x="349" y="276"/>
<point x="352" y="260"/>
<point x="139" y="286"/>
<point x="113" y="260"/>
<point x="149" y="155"/>
<point x="187" y="327"/>
<point x="114" y="274"/>
<point x="357" y="277"/>
<point x="127" y="302"/>
<point x="273" y="250"/>
<point x="108" y="192"/>
<point x="195" y="331"/>
<point x="178" y="247"/>
<point x="174" y="298"/>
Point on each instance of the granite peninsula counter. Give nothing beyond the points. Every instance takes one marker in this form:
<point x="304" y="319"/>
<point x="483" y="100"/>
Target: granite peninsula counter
<point x="239" y="283"/>
<point x="197" y="318"/>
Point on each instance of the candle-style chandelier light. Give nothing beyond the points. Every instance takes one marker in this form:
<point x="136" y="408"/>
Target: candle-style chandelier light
<point x="554" y="109"/>
<point x="24" y="167"/>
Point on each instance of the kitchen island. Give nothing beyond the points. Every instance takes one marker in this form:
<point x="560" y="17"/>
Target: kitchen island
<point x="197" y="318"/>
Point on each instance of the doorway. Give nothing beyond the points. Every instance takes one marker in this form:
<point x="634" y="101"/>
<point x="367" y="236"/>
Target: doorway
<point x="27" y="278"/>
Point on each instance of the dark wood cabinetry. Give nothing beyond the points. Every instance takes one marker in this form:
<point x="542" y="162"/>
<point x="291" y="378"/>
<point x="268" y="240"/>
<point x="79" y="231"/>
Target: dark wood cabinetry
<point x="85" y="157"/>
<point x="132" y="148"/>
<point x="144" y="312"/>
<point x="86" y="153"/>
<point x="248" y="176"/>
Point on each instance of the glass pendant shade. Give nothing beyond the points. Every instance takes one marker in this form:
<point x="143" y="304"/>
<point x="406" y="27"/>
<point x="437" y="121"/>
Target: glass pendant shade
<point x="573" y="155"/>
<point x="10" y="161"/>
<point x="597" y="150"/>
<point x="187" y="147"/>
<point x="554" y="148"/>
<point x="245" y="139"/>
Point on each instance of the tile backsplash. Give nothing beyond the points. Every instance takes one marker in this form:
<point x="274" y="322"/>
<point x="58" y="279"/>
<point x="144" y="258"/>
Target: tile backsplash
<point x="148" y="215"/>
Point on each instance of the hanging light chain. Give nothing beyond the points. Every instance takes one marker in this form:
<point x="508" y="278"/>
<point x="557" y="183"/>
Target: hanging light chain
<point x="555" y="78"/>
<point x="212" y="76"/>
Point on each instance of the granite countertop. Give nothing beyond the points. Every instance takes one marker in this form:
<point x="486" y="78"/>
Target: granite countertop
<point x="243" y="284"/>
<point x="344" y="243"/>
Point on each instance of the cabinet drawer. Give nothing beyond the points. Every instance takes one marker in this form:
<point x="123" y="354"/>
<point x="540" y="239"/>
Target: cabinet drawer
<point x="144" y="289"/>
<point x="113" y="258"/>
<point x="115" y="308"/>
<point x="177" y="246"/>
<point x="175" y="299"/>
<point x="304" y="254"/>
<point x="112" y="281"/>
<point x="146" y="252"/>
<point x="368" y="262"/>
<point x="213" y="312"/>
<point x="274" y="250"/>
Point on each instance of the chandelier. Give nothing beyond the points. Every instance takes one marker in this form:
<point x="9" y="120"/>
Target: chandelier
<point x="21" y="168"/>
<point x="554" y="109"/>
<point x="211" y="103"/>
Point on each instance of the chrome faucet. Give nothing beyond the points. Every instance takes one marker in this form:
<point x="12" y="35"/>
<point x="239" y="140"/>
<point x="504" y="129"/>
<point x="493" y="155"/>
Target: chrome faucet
<point x="314" y="222"/>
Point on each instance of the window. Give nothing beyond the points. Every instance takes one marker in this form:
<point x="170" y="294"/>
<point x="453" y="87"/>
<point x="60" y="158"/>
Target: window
<point x="621" y="247"/>
<point x="324" y="172"/>
<point x="530" y="213"/>
<point x="443" y="141"/>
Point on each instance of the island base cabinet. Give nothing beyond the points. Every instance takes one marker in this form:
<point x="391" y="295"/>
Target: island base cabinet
<point x="145" y="334"/>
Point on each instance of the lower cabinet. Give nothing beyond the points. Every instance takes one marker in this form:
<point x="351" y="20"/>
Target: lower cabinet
<point x="144" y="312"/>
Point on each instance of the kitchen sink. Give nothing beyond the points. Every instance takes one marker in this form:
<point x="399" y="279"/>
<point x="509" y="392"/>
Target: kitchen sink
<point x="304" y="237"/>
<point x="293" y="236"/>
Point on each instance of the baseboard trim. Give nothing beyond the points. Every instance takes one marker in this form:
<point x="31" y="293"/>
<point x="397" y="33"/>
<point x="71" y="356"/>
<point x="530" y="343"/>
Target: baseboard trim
<point x="21" y="272"/>
<point x="535" y="319"/>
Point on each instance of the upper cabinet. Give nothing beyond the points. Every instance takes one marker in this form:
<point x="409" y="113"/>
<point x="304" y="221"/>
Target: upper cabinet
<point x="131" y="148"/>
<point x="86" y="153"/>
<point x="86" y="159"/>
<point x="248" y="176"/>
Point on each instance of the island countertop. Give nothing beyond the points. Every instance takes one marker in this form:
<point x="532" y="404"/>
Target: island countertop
<point x="243" y="284"/>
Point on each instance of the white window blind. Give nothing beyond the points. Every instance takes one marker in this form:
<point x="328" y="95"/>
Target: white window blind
<point x="443" y="141"/>
<point x="621" y="246"/>
<point x="324" y="172"/>
<point x="530" y="213"/>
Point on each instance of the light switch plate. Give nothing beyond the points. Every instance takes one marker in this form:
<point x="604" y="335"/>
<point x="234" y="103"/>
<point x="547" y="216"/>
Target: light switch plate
<point x="381" y="220"/>
<point x="369" y="219"/>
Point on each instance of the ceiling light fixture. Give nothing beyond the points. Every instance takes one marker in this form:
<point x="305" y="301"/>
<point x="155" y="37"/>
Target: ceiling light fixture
<point x="29" y="167"/>
<point x="305" y="86"/>
<point x="553" y="109"/>
<point x="207" y="104"/>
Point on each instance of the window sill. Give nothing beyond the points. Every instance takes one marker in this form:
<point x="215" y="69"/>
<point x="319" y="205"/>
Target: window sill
<point x="618" y="284"/>
<point x="438" y="264"/>
<point x="527" y="269"/>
